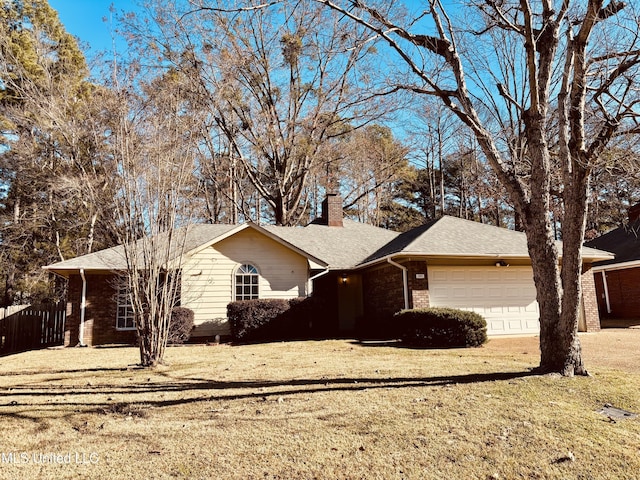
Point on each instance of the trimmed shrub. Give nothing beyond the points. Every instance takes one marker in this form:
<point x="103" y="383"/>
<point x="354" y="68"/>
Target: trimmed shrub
<point x="378" y="326"/>
<point x="181" y="325"/>
<point x="274" y="319"/>
<point x="441" y="328"/>
<point x="306" y="318"/>
<point x="252" y="320"/>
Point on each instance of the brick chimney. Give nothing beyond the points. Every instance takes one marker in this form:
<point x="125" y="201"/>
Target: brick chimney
<point x="332" y="210"/>
<point x="634" y="213"/>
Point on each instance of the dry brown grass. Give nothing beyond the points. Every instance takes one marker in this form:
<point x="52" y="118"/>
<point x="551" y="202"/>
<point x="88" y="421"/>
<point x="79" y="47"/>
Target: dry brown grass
<point x="330" y="409"/>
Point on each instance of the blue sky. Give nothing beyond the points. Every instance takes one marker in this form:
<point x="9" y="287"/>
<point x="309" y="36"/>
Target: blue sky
<point x="84" y="19"/>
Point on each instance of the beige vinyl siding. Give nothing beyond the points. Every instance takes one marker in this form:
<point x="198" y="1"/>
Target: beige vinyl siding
<point x="208" y="277"/>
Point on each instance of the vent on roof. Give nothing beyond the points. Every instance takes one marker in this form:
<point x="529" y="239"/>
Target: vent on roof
<point x="332" y="210"/>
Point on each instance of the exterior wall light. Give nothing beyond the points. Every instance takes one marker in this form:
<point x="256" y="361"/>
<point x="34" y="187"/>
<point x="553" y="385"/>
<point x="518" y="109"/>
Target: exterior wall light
<point x="502" y="263"/>
<point x="344" y="279"/>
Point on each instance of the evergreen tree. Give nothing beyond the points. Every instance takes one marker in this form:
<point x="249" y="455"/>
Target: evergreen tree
<point x="52" y="170"/>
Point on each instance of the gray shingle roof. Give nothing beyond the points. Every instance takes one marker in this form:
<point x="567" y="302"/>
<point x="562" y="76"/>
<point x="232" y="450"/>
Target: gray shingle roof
<point x="624" y="242"/>
<point x="457" y="237"/>
<point x="340" y="247"/>
<point x="355" y="244"/>
<point x="114" y="258"/>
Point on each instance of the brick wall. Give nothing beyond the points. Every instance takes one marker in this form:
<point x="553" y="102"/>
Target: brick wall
<point x="624" y="297"/>
<point x="72" y="322"/>
<point x="100" y="314"/>
<point x="590" y="300"/>
<point x="382" y="292"/>
<point x="418" y="284"/>
<point x="383" y="289"/>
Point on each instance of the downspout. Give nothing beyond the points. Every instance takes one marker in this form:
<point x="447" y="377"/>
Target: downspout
<point x="606" y="290"/>
<point x="310" y="281"/>
<point x="310" y="288"/>
<point x="405" y="282"/>
<point x="83" y="305"/>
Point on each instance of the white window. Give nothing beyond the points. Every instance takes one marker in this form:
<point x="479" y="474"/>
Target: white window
<point x="124" y="312"/>
<point x="247" y="282"/>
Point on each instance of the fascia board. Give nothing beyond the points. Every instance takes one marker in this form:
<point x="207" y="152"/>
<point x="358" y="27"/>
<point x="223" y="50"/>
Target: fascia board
<point x="616" y="266"/>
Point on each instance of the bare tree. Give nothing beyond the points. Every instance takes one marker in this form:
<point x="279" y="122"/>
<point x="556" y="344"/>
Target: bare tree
<point x="371" y="159"/>
<point x="615" y="187"/>
<point x="565" y="63"/>
<point x="276" y="82"/>
<point x="434" y="131"/>
<point x="156" y="149"/>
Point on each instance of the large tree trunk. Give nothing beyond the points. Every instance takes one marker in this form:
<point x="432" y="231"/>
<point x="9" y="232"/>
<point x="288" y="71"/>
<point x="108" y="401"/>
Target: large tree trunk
<point x="558" y="295"/>
<point x="544" y="262"/>
<point x="574" y="223"/>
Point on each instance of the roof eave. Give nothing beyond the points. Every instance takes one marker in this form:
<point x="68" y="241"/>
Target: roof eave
<point x="67" y="271"/>
<point x="616" y="266"/>
<point x="477" y="256"/>
<point x="314" y="262"/>
<point x="215" y="240"/>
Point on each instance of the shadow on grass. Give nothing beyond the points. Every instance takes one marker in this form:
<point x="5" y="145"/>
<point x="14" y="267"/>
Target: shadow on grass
<point x="59" y="395"/>
<point x="71" y="370"/>
<point x="400" y="344"/>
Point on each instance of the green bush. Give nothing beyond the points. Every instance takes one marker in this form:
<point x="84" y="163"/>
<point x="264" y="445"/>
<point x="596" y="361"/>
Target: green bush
<point x="181" y="325"/>
<point x="272" y="319"/>
<point x="441" y="328"/>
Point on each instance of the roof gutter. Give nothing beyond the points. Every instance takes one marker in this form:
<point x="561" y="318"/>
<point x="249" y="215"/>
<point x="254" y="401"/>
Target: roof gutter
<point x="83" y="307"/>
<point x="478" y="256"/>
<point x="405" y="281"/>
<point x="431" y="256"/>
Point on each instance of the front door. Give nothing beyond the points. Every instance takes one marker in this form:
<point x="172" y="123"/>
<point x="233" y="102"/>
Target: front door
<point x="350" y="306"/>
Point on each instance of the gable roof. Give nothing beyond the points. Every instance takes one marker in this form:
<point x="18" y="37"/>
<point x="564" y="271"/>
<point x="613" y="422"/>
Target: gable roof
<point x="457" y="237"/>
<point x="198" y="236"/>
<point x="351" y="246"/>
<point x="114" y="258"/>
<point x="623" y="241"/>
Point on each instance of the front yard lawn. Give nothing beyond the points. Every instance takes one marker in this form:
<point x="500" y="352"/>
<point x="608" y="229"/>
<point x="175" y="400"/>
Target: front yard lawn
<point x="326" y="409"/>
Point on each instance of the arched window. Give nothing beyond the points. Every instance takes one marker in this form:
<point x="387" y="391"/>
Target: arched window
<point x="247" y="282"/>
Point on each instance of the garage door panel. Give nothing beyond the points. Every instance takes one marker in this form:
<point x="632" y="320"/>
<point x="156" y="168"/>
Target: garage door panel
<point x="460" y="292"/>
<point x="495" y="326"/>
<point x="458" y="276"/>
<point x="493" y="294"/>
<point x="506" y="297"/>
<point x="532" y="324"/>
<point x="476" y="276"/>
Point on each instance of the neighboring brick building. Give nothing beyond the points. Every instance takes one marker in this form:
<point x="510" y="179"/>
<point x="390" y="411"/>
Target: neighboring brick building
<point x="617" y="281"/>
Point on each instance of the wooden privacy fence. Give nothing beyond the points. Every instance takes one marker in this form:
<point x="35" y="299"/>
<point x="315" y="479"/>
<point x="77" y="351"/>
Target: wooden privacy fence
<point x="34" y="327"/>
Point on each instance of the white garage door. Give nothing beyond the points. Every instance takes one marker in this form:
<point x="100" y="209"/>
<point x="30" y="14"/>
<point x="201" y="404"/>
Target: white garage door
<point x="504" y="296"/>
